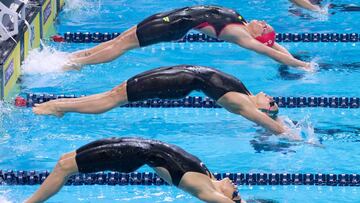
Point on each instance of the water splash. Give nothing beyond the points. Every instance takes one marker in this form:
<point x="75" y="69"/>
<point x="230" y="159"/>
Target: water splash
<point x="302" y="130"/>
<point x="5" y="112"/>
<point x="314" y="64"/>
<point x="323" y="15"/>
<point x="82" y="6"/>
<point x="3" y="199"/>
<point x="46" y="60"/>
<point x="309" y="77"/>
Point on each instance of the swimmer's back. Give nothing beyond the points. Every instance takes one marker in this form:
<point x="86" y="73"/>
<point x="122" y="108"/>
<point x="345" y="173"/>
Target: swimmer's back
<point x="127" y="154"/>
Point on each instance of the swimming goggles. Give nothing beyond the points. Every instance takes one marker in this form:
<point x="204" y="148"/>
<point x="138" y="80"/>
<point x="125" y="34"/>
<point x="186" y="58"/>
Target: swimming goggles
<point x="271" y="113"/>
<point x="236" y="195"/>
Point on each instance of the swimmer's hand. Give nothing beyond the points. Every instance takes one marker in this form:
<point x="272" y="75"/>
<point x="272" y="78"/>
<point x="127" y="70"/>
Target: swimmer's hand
<point x="316" y="8"/>
<point x="288" y="134"/>
<point x="294" y="137"/>
<point x="47" y="108"/>
<point x="323" y="11"/>
<point x="311" y="67"/>
<point x="293" y="133"/>
<point x="320" y="10"/>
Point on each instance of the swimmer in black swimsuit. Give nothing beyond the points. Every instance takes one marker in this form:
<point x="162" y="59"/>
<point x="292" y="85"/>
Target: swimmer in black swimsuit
<point x="219" y="22"/>
<point x="171" y="163"/>
<point x="174" y="83"/>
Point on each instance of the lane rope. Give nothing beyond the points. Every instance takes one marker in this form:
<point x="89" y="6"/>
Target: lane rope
<point x="98" y="37"/>
<point x="13" y="177"/>
<point x="206" y="102"/>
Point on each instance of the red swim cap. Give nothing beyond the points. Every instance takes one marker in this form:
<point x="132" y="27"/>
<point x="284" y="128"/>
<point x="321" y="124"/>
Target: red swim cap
<point x="268" y="39"/>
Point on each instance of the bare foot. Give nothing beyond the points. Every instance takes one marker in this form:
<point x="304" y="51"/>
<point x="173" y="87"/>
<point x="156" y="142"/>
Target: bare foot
<point x="70" y="65"/>
<point x="47" y="109"/>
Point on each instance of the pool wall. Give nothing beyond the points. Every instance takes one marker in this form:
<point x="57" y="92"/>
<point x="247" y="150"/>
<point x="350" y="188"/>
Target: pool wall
<point x="41" y="17"/>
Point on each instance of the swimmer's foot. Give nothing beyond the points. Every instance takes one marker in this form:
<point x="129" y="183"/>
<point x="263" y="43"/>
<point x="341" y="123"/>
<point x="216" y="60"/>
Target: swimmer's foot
<point x="70" y="65"/>
<point x="47" y="109"/>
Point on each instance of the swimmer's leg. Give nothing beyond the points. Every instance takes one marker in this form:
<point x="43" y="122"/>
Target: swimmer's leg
<point x="94" y="104"/>
<point x="68" y="155"/>
<point x="65" y="167"/>
<point x="87" y="52"/>
<point x="107" y="51"/>
<point x="164" y="174"/>
<point x="131" y="31"/>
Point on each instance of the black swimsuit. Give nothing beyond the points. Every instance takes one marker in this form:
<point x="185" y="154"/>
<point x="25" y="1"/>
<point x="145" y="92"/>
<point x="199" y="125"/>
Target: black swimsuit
<point x="173" y="25"/>
<point x="176" y="82"/>
<point x="128" y="154"/>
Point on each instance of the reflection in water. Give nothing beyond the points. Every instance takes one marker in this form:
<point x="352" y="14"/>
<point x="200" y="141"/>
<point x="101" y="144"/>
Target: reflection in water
<point x="342" y="133"/>
<point x="260" y="144"/>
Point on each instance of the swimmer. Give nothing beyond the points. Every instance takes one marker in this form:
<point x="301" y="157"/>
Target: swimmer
<point x="176" y="82"/>
<point x="222" y="23"/>
<point x="176" y="166"/>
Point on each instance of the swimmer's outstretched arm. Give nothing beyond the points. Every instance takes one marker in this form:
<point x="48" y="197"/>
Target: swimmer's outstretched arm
<point x="281" y="55"/>
<point x="201" y="187"/>
<point x="213" y="197"/>
<point x="258" y="117"/>
<point x="307" y="5"/>
<point x="275" y="126"/>
<point x="282" y="49"/>
<point x="241" y="104"/>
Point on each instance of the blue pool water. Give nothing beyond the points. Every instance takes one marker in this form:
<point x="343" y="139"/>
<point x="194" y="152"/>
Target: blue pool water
<point x="225" y="142"/>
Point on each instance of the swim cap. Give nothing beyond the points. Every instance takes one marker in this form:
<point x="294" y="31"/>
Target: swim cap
<point x="268" y="39"/>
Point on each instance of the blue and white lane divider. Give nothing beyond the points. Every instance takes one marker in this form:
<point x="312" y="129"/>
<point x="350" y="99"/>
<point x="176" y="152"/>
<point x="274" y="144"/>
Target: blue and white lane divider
<point x="205" y="102"/>
<point x="98" y="37"/>
<point x="10" y="177"/>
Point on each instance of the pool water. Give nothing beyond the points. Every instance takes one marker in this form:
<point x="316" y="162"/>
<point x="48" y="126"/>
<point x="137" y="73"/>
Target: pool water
<point x="224" y="141"/>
